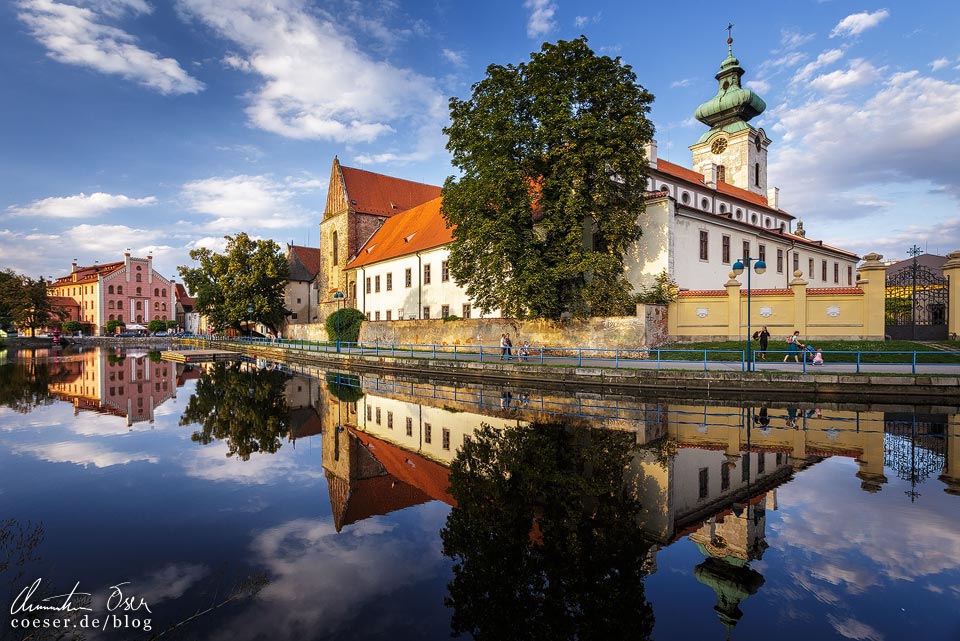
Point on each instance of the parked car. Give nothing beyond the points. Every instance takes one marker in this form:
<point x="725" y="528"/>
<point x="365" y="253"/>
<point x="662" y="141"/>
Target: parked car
<point x="126" y="334"/>
<point x="160" y="334"/>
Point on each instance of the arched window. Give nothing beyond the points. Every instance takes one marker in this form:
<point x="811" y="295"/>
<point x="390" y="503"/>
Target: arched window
<point x="119" y="304"/>
<point x="139" y="291"/>
<point x="336" y="249"/>
<point x="164" y="317"/>
<point x="139" y="304"/>
<point x="120" y="317"/>
<point x="111" y="316"/>
<point x="756" y="174"/>
<point x="110" y="305"/>
<point x="140" y="276"/>
<point x="163" y="292"/>
<point x="139" y="318"/>
<point x="156" y="291"/>
<point x="110" y="289"/>
<point x="120" y="289"/>
<point x="156" y="307"/>
<point x="163" y="306"/>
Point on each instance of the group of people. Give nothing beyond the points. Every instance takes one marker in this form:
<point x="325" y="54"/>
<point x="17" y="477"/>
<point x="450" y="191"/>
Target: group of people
<point x="794" y="347"/>
<point x="506" y="349"/>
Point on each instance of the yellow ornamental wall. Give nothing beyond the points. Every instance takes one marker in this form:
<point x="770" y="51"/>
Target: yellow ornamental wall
<point x="696" y="314"/>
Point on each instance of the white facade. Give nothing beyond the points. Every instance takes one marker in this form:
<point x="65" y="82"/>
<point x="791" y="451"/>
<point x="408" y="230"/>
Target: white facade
<point x="415" y="286"/>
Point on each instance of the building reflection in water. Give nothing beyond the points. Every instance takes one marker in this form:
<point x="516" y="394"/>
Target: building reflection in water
<point x="708" y="473"/>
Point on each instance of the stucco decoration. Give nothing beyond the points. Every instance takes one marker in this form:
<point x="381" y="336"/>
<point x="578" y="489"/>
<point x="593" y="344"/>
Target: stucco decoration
<point x="766" y="312"/>
<point x="702" y="312"/>
<point x="833" y="311"/>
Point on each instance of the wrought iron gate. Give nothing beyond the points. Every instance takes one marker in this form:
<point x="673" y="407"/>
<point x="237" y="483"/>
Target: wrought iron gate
<point x="916" y="304"/>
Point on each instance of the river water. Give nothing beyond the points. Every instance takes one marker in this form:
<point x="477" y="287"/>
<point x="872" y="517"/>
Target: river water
<point x="145" y="499"/>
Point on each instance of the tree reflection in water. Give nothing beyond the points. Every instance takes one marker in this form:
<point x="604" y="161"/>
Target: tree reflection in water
<point x="24" y="384"/>
<point x="546" y="537"/>
<point x="244" y="407"/>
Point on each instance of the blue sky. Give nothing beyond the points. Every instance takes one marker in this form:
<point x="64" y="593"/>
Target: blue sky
<point x="163" y="125"/>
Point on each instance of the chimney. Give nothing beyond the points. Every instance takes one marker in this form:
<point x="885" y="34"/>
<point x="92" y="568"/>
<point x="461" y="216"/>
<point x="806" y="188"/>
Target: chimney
<point x="651" y="149"/>
<point x="126" y="264"/>
<point x="711" y="176"/>
<point x="773" y="197"/>
<point x="74" y="266"/>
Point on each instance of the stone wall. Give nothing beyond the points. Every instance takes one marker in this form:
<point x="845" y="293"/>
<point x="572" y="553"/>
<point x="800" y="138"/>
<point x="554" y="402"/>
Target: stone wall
<point x="622" y="332"/>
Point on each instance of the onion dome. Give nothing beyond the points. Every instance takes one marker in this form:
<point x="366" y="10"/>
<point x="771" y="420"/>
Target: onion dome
<point x="732" y="103"/>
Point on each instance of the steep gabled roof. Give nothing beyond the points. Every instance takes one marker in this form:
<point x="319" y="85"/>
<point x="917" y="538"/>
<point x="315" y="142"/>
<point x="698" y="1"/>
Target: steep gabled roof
<point x="185" y="300"/>
<point x="87" y="274"/>
<point x="304" y="262"/>
<point x="414" y="230"/>
<point x="371" y="193"/>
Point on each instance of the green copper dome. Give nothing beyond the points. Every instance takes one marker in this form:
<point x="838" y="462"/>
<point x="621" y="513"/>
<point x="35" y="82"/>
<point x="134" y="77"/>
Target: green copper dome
<point x="732" y="103"/>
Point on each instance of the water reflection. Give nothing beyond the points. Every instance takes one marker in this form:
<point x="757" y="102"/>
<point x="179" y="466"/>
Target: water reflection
<point x="529" y="513"/>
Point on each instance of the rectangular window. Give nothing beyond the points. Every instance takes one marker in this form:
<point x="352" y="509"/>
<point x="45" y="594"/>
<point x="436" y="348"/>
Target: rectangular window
<point x="294" y="315"/>
<point x="796" y="261"/>
<point x="779" y="260"/>
<point x="427" y="433"/>
<point x="444" y="271"/>
<point x="426" y="312"/>
<point x="389" y="281"/>
<point x="409" y="426"/>
<point x="823" y="270"/>
<point x="378" y="416"/>
<point x="761" y="462"/>
<point x="724" y="476"/>
<point x="810" y="273"/>
<point x="466" y="311"/>
<point x="745" y="468"/>
<point x="389" y="314"/>
<point x="426" y="274"/>
<point x="762" y="251"/>
<point x="444" y="311"/>
<point x="446" y="439"/>
<point x="746" y="249"/>
<point x="376" y="283"/>
<point x="836" y="273"/>
<point x="389" y="420"/>
<point x="368" y="315"/>
<point x="400" y="314"/>
<point x="368" y="284"/>
<point x="704" y="482"/>
<point x="369" y="413"/>
<point x="779" y="459"/>
<point x="704" y="238"/>
<point x="849" y="276"/>
<point x="376" y="316"/>
<point x="725" y="250"/>
<point x="408" y="278"/>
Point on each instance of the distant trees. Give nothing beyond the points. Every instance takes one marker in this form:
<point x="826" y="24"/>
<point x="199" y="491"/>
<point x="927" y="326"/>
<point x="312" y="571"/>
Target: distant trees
<point x="24" y="302"/>
<point x="553" y="174"/>
<point x="112" y="326"/>
<point x="244" y="285"/>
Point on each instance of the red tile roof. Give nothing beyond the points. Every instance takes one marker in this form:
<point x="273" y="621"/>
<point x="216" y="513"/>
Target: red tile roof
<point x="703" y="292"/>
<point x="183" y="298"/>
<point x="767" y="292"/>
<point x="428" y="476"/>
<point x="309" y="257"/>
<point x="823" y="291"/>
<point x="87" y="274"/>
<point x="63" y="301"/>
<point x="697" y="178"/>
<point x="414" y="230"/>
<point x="371" y="193"/>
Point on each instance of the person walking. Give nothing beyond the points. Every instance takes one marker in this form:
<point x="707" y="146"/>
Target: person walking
<point x="503" y="346"/>
<point x="764" y="337"/>
<point x="509" y="347"/>
<point x="793" y="346"/>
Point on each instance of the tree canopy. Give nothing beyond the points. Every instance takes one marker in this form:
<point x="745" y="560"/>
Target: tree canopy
<point x="553" y="173"/>
<point x="24" y="302"/>
<point x="251" y="273"/>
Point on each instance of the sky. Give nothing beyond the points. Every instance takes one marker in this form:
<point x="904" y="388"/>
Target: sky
<point x="161" y="126"/>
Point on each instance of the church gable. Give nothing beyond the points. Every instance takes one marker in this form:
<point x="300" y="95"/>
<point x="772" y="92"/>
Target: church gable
<point x="336" y="193"/>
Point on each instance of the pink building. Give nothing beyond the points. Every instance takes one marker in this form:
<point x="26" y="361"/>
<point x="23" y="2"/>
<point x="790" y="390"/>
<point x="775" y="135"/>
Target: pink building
<point x="131" y="291"/>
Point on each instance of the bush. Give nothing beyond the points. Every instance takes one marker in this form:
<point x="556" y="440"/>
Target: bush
<point x="71" y="327"/>
<point x="157" y="325"/>
<point x="663" y="291"/>
<point x="452" y="317"/>
<point x="113" y="325"/>
<point x="349" y="323"/>
<point x="344" y="387"/>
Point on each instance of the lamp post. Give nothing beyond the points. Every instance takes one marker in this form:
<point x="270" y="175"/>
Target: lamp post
<point x="249" y="321"/>
<point x="338" y="296"/>
<point x="758" y="266"/>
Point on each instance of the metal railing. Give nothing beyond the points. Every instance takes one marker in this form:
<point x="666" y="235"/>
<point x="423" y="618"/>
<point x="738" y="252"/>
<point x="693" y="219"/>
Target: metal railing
<point x="704" y="359"/>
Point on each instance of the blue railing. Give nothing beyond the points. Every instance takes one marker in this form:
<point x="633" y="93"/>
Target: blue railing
<point x="705" y="359"/>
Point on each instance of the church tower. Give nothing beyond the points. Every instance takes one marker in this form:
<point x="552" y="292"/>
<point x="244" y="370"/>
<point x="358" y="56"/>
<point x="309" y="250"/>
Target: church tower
<point x="738" y="150"/>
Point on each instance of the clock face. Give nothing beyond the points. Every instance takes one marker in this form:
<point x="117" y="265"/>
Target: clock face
<point x="718" y="145"/>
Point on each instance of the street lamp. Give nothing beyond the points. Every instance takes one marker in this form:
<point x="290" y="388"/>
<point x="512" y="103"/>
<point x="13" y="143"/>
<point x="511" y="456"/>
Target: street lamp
<point x="338" y="296"/>
<point x="758" y="266"/>
<point x="249" y="321"/>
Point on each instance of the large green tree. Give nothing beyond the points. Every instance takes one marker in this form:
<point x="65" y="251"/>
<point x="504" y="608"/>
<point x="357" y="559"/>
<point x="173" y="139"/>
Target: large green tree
<point x="250" y="273"/>
<point x="24" y="302"/>
<point x="552" y="178"/>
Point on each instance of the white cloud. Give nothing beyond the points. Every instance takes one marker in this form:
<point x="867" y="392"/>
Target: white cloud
<point x="79" y="206"/>
<point x="541" y="20"/>
<point x="857" y="23"/>
<point x="581" y="21"/>
<point x="939" y="63"/>
<point x="759" y="86"/>
<point x="854" y="629"/>
<point x="317" y="82"/>
<point x="248" y="202"/>
<point x="119" y="7"/>
<point x="790" y="40"/>
<point x="824" y="59"/>
<point x="681" y="83"/>
<point x="84" y="453"/>
<point x="860" y="73"/>
<point x="77" y="36"/>
<point x="453" y="57"/>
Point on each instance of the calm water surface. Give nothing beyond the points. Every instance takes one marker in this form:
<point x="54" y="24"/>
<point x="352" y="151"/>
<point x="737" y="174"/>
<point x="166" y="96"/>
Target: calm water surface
<point x="249" y="501"/>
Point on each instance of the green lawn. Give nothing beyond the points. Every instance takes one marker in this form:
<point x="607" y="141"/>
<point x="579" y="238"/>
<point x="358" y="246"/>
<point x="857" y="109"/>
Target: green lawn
<point x="833" y="351"/>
